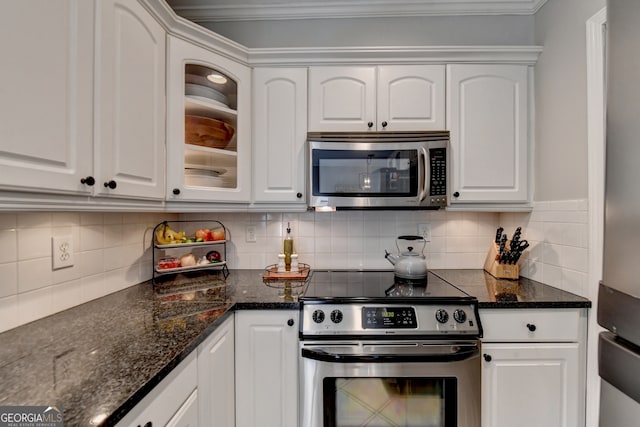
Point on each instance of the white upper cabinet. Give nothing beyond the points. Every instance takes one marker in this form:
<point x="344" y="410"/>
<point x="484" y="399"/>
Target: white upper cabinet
<point x="130" y="101"/>
<point x="208" y="125"/>
<point x="411" y="97"/>
<point x="488" y="116"/>
<point x="279" y="134"/>
<point x="393" y="97"/>
<point x="342" y="98"/>
<point x="46" y="98"/>
<point x="55" y="137"/>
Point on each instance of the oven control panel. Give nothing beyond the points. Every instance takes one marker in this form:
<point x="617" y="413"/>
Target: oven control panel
<point x="379" y="319"/>
<point x="388" y="317"/>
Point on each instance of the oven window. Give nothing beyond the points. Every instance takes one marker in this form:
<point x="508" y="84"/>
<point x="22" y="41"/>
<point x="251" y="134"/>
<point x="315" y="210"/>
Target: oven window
<point x="389" y="173"/>
<point x="384" y="402"/>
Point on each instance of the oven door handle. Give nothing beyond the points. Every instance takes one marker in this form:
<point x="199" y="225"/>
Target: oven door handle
<point x="459" y="354"/>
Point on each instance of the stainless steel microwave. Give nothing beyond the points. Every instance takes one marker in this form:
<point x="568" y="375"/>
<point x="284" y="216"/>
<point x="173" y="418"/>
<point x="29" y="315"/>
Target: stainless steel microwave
<point x="378" y="170"/>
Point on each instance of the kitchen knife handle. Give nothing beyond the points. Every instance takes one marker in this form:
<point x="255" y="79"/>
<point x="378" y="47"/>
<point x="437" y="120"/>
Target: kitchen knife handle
<point x="499" y="234"/>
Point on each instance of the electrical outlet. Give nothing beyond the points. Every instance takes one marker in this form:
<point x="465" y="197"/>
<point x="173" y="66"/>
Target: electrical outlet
<point x="424" y="230"/>
<point x="251" y="234"/>
<point x="62" y="251"/>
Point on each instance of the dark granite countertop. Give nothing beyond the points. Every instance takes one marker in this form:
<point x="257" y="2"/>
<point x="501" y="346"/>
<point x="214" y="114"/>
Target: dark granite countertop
<point x="500" y="293"/>
<point x="99" y="359"/>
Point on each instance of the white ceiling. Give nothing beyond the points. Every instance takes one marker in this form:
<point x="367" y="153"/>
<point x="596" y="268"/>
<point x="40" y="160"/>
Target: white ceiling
<point x="248" y="10"/>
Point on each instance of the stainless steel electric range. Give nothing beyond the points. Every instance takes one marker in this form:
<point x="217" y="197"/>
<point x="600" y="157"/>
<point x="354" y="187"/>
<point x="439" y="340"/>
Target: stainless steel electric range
<point x="378" y="352"/>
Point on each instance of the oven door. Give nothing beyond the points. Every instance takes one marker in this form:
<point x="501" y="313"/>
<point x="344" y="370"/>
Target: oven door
<point x="426" y="384"/>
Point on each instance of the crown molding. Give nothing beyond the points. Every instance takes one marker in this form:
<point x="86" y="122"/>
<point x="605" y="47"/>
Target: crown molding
<point x="527" y="55"/>
<point x="202" y="11"/>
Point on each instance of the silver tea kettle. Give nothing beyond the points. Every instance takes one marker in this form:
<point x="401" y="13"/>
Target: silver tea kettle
<point x="409" y="264"/>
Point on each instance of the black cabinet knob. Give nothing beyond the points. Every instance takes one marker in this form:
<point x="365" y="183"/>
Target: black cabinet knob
<point x="384" y="124"/>
<point x="111" y="184"/>
<point x="531" y="327"/>
<point x="290" y="322"/>
<point x="370" y="124"/>
<point x="456" y="194"/>
<point x="299" y="195"/>
<point x="89" y="180"/>
<point x="176" y="191"/>
<point x="487" y="357"/>
<point x="148" y="424"/>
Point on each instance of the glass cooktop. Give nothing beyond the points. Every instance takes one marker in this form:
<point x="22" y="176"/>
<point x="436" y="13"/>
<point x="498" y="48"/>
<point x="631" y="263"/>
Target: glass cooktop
<point x="376" y="285"/>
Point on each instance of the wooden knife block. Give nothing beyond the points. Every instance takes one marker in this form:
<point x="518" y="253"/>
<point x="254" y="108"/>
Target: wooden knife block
<point x="497" y="270"/>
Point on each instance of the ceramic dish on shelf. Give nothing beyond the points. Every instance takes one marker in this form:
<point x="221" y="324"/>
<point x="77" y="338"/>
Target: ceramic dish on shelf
<point x="206" y="92"/>
<point x="207" y="132"/>
<point x="215" y="170"/>
<point x="202" y="178"/>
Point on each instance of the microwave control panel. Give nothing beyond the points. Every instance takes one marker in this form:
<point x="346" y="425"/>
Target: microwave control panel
<point x="438" y="178"/>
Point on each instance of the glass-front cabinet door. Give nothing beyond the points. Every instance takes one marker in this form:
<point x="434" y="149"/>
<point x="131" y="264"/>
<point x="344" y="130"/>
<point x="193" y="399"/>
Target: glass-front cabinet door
<point x="208" y="146"/>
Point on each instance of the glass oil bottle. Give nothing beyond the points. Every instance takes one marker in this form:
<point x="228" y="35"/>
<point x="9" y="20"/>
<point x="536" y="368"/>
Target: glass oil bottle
<point x="288" y="248"/>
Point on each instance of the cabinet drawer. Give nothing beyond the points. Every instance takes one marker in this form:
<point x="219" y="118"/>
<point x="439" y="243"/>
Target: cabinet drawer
<point x="508" y="325"/>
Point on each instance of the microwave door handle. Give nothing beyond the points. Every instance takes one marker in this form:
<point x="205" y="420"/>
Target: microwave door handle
<point x="424" y="172"/>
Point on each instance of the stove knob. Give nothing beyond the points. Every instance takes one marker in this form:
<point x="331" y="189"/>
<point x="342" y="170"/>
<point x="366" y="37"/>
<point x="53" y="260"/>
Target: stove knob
<point x="336" y="316"/>
<point x="442" y="316"/>
<point x="460" y="316"/>
<point x="318" y="316"/>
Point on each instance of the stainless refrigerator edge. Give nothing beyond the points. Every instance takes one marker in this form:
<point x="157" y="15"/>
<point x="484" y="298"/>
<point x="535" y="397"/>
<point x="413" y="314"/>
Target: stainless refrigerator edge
<point x="619" y="291"/>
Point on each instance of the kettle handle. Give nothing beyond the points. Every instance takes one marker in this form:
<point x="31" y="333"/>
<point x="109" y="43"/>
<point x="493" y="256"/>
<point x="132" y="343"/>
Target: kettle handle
<point x="408" y="237"/>
<point x="413" y="238"/>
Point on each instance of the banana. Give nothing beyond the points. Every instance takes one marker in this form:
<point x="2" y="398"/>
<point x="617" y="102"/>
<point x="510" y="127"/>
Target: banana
<point x="165" y="235"/>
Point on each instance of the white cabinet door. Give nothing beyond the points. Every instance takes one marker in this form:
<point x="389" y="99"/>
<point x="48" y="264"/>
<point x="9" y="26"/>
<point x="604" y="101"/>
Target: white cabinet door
<point x="411" y="97"/>
<point x="342" y="98"/>
<point x="187" y="415"/>
<point x="130" y="101"/>
<point x="279" y="134"/>
<point x="394" y="97"/>
<point x="532" y="385"/>
<point x="172" y="402"/>
<point x="220" y="174"/>
<point x="267" y="368"/>
<point x="487" y="114"/>
<point x="216" y="377"/>
<point x="46" y="95"/>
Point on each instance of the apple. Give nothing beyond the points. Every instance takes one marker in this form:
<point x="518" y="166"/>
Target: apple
<point x="218" y="234"/>
<point x="202" y="233"/>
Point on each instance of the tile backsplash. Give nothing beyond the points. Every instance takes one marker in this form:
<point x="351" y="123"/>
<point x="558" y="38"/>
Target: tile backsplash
<point x="112" y="250"/>
<point x="357" y="239"/>
<point x="558" y="232"/>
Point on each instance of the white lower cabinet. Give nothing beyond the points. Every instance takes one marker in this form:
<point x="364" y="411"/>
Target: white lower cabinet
<point x="267" y="368"/>
<point x="173" y="402"/>
<point x="534" y="367"/>
<point x="216" y="377"/>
